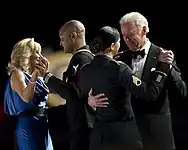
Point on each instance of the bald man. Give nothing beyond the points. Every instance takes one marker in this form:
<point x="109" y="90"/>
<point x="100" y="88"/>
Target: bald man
<point x="72" y="39"/>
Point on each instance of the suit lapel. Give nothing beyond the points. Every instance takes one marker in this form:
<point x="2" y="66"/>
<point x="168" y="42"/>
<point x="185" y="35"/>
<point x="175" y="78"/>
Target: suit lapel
<point x="151" y="62"/>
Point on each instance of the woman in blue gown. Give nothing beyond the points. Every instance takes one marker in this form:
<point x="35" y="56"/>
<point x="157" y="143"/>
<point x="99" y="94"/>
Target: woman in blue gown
<point x="26" y="95"/>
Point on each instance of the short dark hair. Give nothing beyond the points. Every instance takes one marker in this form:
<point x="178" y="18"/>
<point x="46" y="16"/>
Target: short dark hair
<point x="106" y="36"/>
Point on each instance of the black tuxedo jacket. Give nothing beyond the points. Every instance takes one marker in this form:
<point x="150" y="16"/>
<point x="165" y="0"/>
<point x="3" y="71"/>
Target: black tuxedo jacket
<point x="173" y="85"/>
<point x="153" y="117"/>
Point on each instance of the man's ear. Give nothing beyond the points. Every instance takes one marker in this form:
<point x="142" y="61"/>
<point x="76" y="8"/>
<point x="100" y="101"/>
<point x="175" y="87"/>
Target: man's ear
<point x="112" y="46"/>
<point x="144" y="30"/>
<point x="73" y="35"/>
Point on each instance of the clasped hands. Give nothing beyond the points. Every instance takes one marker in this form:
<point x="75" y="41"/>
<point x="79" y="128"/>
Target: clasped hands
<point x="99" y="100"/>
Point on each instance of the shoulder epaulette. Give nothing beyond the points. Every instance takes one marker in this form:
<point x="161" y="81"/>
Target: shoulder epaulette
<point x="120" y="62"/>
<point x="114" y="62"/>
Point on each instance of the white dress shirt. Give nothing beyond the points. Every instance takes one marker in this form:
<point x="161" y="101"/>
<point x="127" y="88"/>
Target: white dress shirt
<point x="139" y="62"/>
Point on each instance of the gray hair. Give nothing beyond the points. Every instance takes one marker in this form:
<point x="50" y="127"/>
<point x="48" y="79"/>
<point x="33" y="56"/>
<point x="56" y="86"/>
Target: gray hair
<point x="136" y="17"/>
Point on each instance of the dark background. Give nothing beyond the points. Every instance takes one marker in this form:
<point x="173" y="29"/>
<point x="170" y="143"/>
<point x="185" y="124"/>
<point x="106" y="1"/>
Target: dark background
<point x="167" y="22"/>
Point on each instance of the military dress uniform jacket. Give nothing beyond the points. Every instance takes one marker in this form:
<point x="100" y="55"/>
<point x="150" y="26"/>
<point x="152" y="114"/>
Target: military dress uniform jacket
<point x="66" y="90"/>
<point x="114" y="125"/>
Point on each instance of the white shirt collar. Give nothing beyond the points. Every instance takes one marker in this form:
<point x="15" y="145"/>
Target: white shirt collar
<point x="146" y="46"/>
<point x="110" y="56"/>
<point x="83" y="50"/>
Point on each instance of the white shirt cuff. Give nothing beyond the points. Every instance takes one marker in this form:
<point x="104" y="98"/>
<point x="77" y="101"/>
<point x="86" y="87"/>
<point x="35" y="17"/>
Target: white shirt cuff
<point x="47" y="77"/>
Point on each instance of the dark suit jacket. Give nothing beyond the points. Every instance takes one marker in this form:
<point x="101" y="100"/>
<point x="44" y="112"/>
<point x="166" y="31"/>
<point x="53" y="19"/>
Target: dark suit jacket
<point x="153" y="118"/>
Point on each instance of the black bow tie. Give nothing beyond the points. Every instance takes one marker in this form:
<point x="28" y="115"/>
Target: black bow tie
<point x="137" y="53"/>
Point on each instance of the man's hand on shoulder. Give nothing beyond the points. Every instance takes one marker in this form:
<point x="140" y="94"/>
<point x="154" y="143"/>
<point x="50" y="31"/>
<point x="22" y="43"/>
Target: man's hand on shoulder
<point x="118" y="55"/>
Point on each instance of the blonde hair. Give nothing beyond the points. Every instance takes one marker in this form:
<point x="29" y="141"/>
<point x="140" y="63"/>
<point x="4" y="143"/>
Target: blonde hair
<point x="21" y="53"/>
<point x="136" y="17"/>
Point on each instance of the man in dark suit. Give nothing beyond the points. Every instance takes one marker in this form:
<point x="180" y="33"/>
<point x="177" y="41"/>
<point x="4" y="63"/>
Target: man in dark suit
<point x="113" y="127"/>
<point x="153" y="118"/>
<point x="72" y="39"/>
